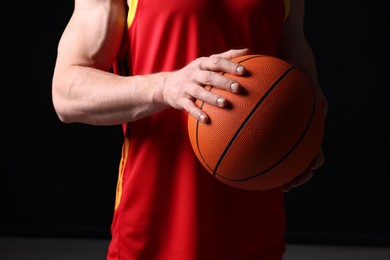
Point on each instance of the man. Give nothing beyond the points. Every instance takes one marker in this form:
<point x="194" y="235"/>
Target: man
<point x="142" y="64"/>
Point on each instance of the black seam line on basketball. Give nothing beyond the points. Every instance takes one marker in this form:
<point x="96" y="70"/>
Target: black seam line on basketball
<point x="292" y="148"/>
<point x="249" y="58"/>
<point x="246" y="121"/>
<point x="201" y="107"/>
<point x="196" y="134"/>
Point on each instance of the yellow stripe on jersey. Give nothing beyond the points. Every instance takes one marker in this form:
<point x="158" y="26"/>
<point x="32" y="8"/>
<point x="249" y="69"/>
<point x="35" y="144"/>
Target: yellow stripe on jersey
<point x="132" y="8"/>
<point x="287" y="4"/>
<point x="125" y="152"/>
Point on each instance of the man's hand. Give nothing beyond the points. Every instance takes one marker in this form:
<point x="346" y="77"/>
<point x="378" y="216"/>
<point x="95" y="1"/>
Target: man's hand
<point x="307" y="174"/>
<point x="181" y="88"/>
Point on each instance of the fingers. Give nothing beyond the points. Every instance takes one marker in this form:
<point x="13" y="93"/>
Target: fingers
<point x="307" y="174"/>
<point x="183" y="87"/>
<point x="230" y="54"/>
<point x="318" y="161"/>
<point x="194" y="111"/>
<point x="206" y="96"/>
<point x="216" y="63"/>
<point x="209" y="71"/>
<point x="301" y="179"/>
<point x="210" y="78"/>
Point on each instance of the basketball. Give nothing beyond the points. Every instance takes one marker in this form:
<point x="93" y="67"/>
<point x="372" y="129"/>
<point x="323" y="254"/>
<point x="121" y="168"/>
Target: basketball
<point x="270" y="132"/>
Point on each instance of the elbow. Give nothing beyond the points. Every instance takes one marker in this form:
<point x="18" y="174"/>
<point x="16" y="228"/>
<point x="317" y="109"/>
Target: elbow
<point x="61" y="110"/>
<point x="60" y="104"/>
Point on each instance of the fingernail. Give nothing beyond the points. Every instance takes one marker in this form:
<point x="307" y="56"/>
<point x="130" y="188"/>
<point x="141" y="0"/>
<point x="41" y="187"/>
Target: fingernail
<point x="234" y="86"/>
<point x="220" y="101"/>
<point x="202" y="118"/>
<point x="240" y="69"/>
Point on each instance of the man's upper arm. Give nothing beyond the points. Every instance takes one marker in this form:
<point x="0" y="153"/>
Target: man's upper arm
<point x="93" y="35"/>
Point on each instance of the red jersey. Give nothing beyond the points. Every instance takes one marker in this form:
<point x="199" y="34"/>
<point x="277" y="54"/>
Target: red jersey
<point x="168" y="207"/>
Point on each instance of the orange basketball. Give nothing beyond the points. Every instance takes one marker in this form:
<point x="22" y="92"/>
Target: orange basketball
<point x="270" y="132"/>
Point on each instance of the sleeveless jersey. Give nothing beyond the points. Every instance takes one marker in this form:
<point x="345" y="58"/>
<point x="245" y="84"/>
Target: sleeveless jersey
<point x="168" y="207"/>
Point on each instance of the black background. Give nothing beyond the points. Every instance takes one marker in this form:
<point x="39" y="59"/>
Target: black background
<point x="59" y="180"/>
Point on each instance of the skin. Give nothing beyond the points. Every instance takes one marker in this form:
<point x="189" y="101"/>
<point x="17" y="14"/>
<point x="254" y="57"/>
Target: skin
<point x="84" y="91"/>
